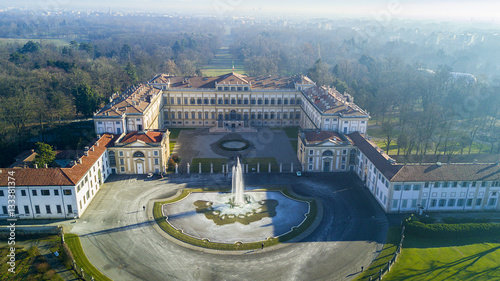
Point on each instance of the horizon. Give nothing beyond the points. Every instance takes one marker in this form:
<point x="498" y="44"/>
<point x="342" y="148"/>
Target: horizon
<point x="462" y="11"/>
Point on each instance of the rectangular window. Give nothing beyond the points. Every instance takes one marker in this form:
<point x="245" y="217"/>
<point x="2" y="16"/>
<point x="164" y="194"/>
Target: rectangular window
<point x="259" y="101"/>
<point x="311" y="152"/>
<point x="23" y="192"/>
<point x="474" y="184"/>
<point x="122" y="169"/>
<point x="414" y="203"/>
<point x="233" y="101"/>
<point x="397" y="187"/>
<point x="394" y="203"/>
<point x="47" y="209"/>
<point x="279" y="100"/>
<point x="416" y="187"/>
<point x="70" y="209"/>
<point x="171" y="100"/>
<point x="445" y="184"/>
<point x="1" y="193"/>
<point x="492" y="202"/>
<point x="26" y="210"/>
<point x="469" y="202"/>
<point x="212" y="101"/>
<point x="407" y="187"/>
<point x="245" y="101"/>
<point x="404" y="203"/>
<point x="455" y="184"/>
<point x="156" y="161"/>
<point x="460" y="202"/>
<point x="155" y="153"/>
<point x="266" y="101"/>
<point x="122" y="162"/>
<point x="451" y="202"/>
<point x="178" y="100"/>
<point x="479" y="201"/>
<point x="424" y="201"/>
<point x="285" y="101"/>
<point x="67" y="191"/>
<point x="59" y="209"/>
<point x="442" y="202"/>
<point x="120" y="153"/>
<point x="37" y="209"/>
<point x="226" y="101"/>
<point x="33" y="192"/>
<point x="56" y="192"/>
<point x="310" y="159"/>
<point x="483" y="184"/>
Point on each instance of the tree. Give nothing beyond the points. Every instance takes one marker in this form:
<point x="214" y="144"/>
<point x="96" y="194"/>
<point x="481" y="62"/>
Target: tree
<point x="131" y="72"/>
<point x="389" y="133"/>
<point x="30" y="47"/>
<point x="45" y="154"/>
<point x="320" y="73"/>
<point x="86" y="100"/>
<point x="125" y="52"/>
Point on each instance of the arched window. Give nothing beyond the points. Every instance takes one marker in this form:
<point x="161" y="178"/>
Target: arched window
<point x="138" y="154"/>
<point x="328" y="153"/>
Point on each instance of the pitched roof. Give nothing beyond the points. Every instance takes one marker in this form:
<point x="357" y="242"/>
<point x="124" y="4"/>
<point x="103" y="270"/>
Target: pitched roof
<point x="134" y="100"/>
<point x="330" y="101"/>
<point x="313" y="137"/>
<point x="378" y="157"/>
<point x="448" y="172"/>
<point x="35" y="177"/>
<point x="260" y="82"/>
<point x="60" y="176"/>
<point x="147" y="137"/>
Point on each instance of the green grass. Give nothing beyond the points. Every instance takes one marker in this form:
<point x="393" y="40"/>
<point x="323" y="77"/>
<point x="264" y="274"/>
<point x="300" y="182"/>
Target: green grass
<point x="29" y="265"/>
<point x="387" y="253"/>
<point x="294" y="144"/>
<point x="447" y="259"/>
<point x="291" y="132"/>
<point x="73" y="242"/>
<point x="160" y="219"/>
<point x="171" y="146"/>
<point x="252" y="163"/>
<point x="205" y="164"/>
<point x="22" y="41"/>
<point x="222" y="63"/>
<point x="174" y="132"/>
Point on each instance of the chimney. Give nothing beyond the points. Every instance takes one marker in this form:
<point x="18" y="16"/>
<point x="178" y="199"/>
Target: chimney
<point x="86" y="153"/>
<point x="36" y="166"/>
<point x="80" y="161"/>
<point x="46" y="166"/>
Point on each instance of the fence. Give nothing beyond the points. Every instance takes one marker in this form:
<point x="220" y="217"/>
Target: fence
<point x="386" y="268"/>
<point x="80" y="271"/>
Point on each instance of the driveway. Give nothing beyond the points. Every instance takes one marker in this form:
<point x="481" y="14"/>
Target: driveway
<point x="122" y="242"/>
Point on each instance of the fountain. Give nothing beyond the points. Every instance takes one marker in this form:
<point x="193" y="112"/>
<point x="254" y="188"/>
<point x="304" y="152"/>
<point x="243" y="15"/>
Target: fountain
<point x="236" y="216"/>
<point x="237" y="188"/>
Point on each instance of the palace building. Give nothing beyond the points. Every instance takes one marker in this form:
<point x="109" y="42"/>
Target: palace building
<point x="133" y="139"/>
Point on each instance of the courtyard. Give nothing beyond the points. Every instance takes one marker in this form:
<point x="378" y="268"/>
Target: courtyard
<point x="268" y="145"/>
<point x="125" y="243"/>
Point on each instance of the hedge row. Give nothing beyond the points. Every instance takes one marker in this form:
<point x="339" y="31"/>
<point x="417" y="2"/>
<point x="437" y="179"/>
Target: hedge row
<point x="444" y="230"/>
<point x="465" y="220"/>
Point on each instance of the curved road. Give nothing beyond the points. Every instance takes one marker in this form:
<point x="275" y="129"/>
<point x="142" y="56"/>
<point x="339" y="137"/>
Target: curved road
<point x="120" y="240"/>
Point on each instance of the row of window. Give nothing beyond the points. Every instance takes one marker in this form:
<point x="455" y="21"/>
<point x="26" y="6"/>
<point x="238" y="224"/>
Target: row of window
<point x="43" y="192"/>
<point x="227" y="88"/>
<point x="48" y="209"/>
<point x="444" y="202"/>
<point x="213" y="101"/>
<point x="245" y="116"/>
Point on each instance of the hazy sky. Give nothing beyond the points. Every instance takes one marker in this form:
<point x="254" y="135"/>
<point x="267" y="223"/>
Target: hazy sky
<point x="463" y="10"/>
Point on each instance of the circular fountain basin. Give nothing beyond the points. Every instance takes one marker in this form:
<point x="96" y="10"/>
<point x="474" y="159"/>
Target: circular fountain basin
<point x="234" y="145"/>
<point x="289" y="213"/>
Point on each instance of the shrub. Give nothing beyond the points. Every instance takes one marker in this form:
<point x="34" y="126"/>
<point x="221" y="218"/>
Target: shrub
<point x="427" y="220"/>
<point x="175" y="158"/>
<point x="42" y="267"/>
<point x="452" y="220"/>
<point x="442" y="230"/>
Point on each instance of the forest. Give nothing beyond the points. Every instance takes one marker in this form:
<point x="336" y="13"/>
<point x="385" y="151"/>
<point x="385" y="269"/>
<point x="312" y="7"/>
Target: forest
<point x="63" y="67"/>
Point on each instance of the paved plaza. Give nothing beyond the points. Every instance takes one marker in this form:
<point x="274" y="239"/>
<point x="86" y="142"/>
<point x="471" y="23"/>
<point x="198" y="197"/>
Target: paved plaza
<point x="198" y="143"/>
<point x="125" y="243"/>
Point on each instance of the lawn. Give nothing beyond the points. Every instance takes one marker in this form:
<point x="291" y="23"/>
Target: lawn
<point x="222" y="64"/>
<point x="387" y="253"/>
<point x="447" y="259"/>
<point x="171" y="146"/>
<point x="174" y="132"/>
<point x="73" y="242"/>
<point x="57" y="42"/>
<point x="294" y="144"/>
<point x="30" y="265"/>
<point x="291" y="132"/>
<point x="217" y="164"/>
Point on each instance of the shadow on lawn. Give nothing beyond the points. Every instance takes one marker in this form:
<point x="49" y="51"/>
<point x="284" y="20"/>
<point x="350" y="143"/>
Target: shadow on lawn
<point x="415" y="241"/>
<point x="459" y="267"/>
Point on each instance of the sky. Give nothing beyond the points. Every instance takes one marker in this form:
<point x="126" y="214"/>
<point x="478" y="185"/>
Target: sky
<point x="456" y="10"/>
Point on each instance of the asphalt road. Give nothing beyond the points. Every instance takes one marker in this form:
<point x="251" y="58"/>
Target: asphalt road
<point x="122" y="242"/>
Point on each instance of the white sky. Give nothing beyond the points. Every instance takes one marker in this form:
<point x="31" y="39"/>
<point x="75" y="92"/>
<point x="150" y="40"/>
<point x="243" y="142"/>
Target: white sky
<point x="481" y="10"/>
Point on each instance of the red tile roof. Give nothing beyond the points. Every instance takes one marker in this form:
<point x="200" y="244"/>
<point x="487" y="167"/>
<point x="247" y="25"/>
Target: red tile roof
<point x="148" y="137"/>
<point x="448" y="172"/>
<point x="60" y="176"/>
<point x="330" y="101"/>
<point x="134" y="100"/>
